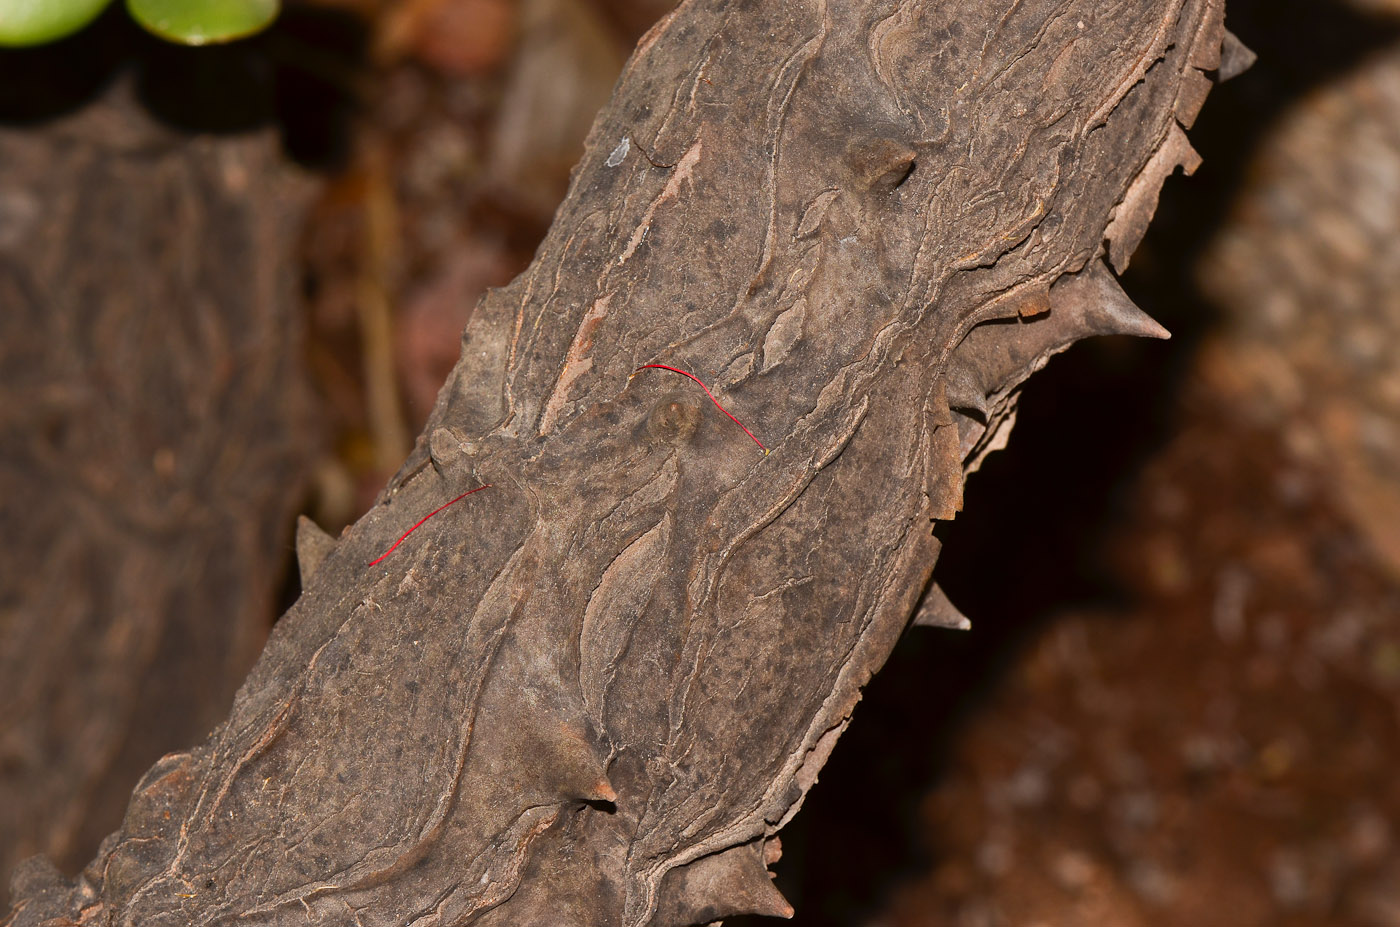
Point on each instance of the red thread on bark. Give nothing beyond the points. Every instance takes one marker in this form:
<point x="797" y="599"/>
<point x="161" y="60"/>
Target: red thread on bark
<point x="707" y="393"/>
<point x="405" y="535"/>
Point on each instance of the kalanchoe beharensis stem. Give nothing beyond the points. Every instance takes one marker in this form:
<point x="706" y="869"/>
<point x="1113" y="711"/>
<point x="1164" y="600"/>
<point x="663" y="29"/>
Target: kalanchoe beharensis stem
<point x="597" y="700"/>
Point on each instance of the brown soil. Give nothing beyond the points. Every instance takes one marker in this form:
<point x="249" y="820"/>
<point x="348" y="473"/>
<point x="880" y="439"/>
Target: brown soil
<point x="1223" y="753"/>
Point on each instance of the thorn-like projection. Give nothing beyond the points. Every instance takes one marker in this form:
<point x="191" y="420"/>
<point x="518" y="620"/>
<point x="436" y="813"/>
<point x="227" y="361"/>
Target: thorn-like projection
<point x="446" y="448"/>
<point x="964" y="392"/>
<point x="532" y="732"/>
<point x="936" y="611"/>
<point x="1205" y="48"/>
<point x="313" y="545"/>
<point x="1131" y="216"/>
<point x="729" y="883"/>
<point x="1095" y="297"/>
<point x="1195" y="87"/>
<point x="1034" y="303"/>
<point x="1235" y="57"/>
<point x="572" y="763"/>
<point x="880" y="163"/>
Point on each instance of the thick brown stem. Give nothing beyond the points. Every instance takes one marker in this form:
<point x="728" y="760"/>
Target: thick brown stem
<point x="155" y="439"/>
<point x="593" y="693"/>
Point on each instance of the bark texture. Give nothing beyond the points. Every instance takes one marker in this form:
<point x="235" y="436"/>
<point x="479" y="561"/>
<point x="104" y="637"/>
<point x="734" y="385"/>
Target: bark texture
<point x="155" y="444"/>
<point x="592" y="693"/>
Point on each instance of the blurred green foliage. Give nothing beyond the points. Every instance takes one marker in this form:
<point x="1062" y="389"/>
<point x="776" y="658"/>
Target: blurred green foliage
<point x="201" y="22"/>
<point x="33" y="22"/>
<point x="187" y="22"/>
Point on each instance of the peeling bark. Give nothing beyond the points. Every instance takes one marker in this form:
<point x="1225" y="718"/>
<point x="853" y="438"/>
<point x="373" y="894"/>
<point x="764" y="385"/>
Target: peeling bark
<point x="592" y="693"/>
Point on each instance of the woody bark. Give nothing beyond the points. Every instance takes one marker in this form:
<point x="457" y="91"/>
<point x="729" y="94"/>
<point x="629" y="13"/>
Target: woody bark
<point x="592" y="693"/>
<point x="156" y="438"/>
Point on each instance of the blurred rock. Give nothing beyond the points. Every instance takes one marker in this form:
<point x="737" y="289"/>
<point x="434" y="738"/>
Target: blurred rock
<point x="567" y="63"/>
<point x="454" y="37"/>
<point x="1308" y="270"/>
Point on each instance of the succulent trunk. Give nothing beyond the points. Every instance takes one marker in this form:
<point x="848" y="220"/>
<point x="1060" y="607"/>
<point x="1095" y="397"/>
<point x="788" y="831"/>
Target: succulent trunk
<point x="592" y="693"/>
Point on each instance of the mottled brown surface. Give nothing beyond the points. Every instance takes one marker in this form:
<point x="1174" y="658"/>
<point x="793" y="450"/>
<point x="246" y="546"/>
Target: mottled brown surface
<point x="592" y="693"/>
<point x="155" y="443"/>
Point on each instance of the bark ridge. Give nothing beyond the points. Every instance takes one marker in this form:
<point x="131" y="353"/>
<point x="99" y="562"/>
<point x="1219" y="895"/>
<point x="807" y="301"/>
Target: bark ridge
<point x="593" y="693"/>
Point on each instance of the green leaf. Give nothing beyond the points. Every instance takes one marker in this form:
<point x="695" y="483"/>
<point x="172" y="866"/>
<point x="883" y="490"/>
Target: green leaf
<point x="32" y="22"/>
<point x="201" y="22"/>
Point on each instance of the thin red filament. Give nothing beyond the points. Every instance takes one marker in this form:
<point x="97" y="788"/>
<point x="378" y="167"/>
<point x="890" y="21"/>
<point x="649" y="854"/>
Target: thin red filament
<point x="707" y="393"/>
<point x="405" y="535"/>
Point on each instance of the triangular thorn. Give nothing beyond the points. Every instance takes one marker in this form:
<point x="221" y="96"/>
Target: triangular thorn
<point x="1095" y="296"/>
<point x="1235" y="57"/>
<point x="764" y="899"/>
<point x="962" y="389"/>
<point x="575" y="769"/>
<point x="880" y="163"/>
<point x="732" y="882"/>
<point x="744" y="878"/>
<point x="313" y="544"/>
<point x="936" y="611"/>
